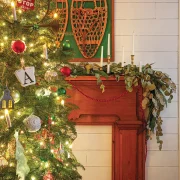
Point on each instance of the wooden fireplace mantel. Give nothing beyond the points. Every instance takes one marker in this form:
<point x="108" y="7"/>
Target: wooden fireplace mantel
<point x="123" y="113"/>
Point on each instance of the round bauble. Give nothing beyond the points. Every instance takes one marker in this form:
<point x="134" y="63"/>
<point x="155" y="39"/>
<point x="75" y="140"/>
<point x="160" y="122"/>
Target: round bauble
<point x="33" y="123"/>
<point x="66" y="71"/>
<point x="48" y="176"/>
<point x="18" y="46"/>
<point x="66" y="45"/>
<point x="15" y="95"/>
<point x="42" y="92"/>
<point x="61" y="91"/>
<point x="51" y="76"/>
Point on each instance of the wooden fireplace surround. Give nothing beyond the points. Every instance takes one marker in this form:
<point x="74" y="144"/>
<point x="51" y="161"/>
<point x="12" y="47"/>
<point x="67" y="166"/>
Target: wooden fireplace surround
<point x="124" y="114"/>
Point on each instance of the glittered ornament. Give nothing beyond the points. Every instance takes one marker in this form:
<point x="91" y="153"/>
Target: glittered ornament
<point x="61" y="91"/>
<point x="15" y="95"/>
<point x="33" y="123"/>
<point x="48" y="176"/>
<point x="66" y="71"/>
<point x="42" y="92"/>
<point x="66" y="46"/>
<point x="51" y="76"/>
<point x="18" y="46"/>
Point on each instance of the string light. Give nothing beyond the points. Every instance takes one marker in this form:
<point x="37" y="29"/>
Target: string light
<point x="2" y="145"/>
<point x="23" y="38"/>
<point x="11" y="164"/>
<point x="5" y="38"/>
<point x="2" y="44"/>
<point x="20" y="11"/>
<point x="46" y="164"/>
<point x="70" y="146"/>
<point x="2" y="117"/>
<point x="12" y="4"/>
<point x="67" y="142"/>
<point x="31" y="45"/>
<point x="52" y="150"/>
<point x="41" y="143"/>
<point x="55" y="15"/>
<point x="52" y="122"/>
<point x="62" y="102"/>
<point x="18" y="113"/>
<point x="33" y="178"/>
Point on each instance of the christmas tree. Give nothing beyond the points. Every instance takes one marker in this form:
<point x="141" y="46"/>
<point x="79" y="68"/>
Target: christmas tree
<point x="35" y="134"/>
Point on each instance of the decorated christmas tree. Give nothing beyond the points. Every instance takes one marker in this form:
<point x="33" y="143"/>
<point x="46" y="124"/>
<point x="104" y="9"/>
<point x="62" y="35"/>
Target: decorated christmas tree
<point x="35" y="134"/>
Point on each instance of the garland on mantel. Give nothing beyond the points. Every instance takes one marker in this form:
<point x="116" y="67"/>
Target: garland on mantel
<point x="157" y="89"/>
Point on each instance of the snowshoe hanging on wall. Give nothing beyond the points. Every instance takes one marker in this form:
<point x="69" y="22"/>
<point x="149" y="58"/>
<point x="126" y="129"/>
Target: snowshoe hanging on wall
<point x="62" y="11"/>
<point x="88" y="21"/>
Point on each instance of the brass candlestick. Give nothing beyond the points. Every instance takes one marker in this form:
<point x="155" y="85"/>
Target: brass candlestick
<point x="132" y="60"/>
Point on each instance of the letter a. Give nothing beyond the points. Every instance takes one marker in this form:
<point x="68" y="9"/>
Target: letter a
<point x="26" y="77"/>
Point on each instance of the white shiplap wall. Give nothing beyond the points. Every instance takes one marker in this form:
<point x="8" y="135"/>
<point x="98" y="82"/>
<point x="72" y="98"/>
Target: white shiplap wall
<point x="155" y="23"/>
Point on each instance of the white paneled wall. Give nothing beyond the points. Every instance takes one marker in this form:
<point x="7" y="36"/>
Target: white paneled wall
<point x="155" y="23"/>
<point x="93" y="148"/>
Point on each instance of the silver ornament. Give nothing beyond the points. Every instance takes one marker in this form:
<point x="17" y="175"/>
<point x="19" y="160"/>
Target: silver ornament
<point x="33" y="123"/>
<point x="42" y="92"/>
<point x="51" y="76"/>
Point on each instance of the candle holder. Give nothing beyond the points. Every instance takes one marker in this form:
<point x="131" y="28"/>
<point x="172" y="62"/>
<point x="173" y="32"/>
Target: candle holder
<point x="132" y="60"/>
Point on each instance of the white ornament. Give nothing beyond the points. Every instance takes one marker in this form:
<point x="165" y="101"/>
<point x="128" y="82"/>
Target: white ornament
<point x="26" y="76"/>
<point x="33" y="123"/>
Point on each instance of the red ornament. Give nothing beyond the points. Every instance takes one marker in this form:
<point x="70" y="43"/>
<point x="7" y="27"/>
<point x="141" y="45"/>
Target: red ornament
<point x="18" y="46"/>
<point x="48" y="176"/>
<point x="26" y="4"/>
<point x="66" y="71"/>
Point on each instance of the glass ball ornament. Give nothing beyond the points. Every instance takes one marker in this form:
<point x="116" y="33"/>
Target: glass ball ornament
<point x="66" y="46"/>
<point x="42" y="92"/>
<point x="33" y="123"/>
<point x="18" y="46"/>
<point x="61" y="91"/>
<point x="15" y="95"/>
<point x="66" y="71"/>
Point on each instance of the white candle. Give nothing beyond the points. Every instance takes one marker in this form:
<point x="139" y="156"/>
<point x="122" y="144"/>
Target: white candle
<point x="45" y="51"/>
<point x="101" y="61"/>
<point x="14" y="11"/>
<point x="108" y="50"/>
<point x="140" y="66"/>
<point x="123" y="56"/>
<point x="133" y="43"/>
<point x="108" y="68"/>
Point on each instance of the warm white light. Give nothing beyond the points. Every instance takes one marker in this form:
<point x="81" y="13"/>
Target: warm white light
<point x="66" y="164"/>
<point x="5" y="38"/>
<point x="37" y="16"/>
<point x="47" y="165"/>
<point x="23" y="38"/>
<point x="22" y="132"/>
<point x="20" y="11"/>
<point x="18" y="113"/>
<point x="52" y="122"/>
<point x="33" y="178"/>
<point x="2" y="117"/>
<point x="62" y="102"/>
<point x="41" y="143"/>
<point x="3" y="24"/>
<point x="2" y="145"/>
<point x="55" y="15"/>
<point x="6" y="111"/>
<point x="31" y="45"/>
<point x="67" y="142"/>
<point x="2" y="44"/>
<point x="12" y="4"/>
<point x="70" y="146"/>
<point x="52" y="150"/>
<point x="30" y="151"/>
<point x="45" y="63"/>
<point x="11" y="164"/>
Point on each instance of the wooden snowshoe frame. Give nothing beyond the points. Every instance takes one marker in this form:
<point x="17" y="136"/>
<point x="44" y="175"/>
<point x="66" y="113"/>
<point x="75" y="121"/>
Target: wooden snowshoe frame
<point x="89" y="25"/>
